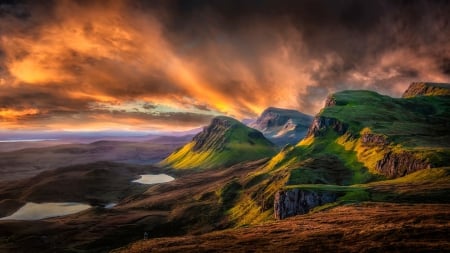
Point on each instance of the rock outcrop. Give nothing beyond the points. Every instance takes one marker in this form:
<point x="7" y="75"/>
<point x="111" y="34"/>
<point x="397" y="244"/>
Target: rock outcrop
<point x="427" y="89"/>
<point x="330" y="101"/>
<point x="370" y="139"/>
<point x="321" y="124"/>
<point x="395" y="165"/>
<point x="282" y="126"/>
<point x="293" y="202"/>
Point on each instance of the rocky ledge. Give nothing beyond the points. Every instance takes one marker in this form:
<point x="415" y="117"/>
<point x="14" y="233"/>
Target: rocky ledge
<point x="427" y="89"/>
<point x="395" y="165"/>
<point x="320" y="124"/>
<point x="293" y="202"/>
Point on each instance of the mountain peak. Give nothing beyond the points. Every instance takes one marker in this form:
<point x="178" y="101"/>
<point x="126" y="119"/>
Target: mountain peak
<point x="214" y="135"/>
<point x="282" y="126"/>
<point x="427" y="89"/>
<point x="225" y="141"/>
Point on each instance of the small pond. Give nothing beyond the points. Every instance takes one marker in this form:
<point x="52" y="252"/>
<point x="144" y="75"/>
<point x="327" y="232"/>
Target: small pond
<point x="154" y="179"/>
<point x="37" y="211"/>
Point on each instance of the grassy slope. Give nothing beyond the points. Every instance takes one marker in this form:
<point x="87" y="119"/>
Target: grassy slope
<point x="418" y="125"/>
<point x="346" y="165"/>
<point x="413" y="122"/>
<point x="239" y="147"/>
<point x="365" y="227"/>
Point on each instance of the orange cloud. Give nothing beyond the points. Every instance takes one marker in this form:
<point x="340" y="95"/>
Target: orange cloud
<point x="11" y="114"/>
<point x="65" y="60"/>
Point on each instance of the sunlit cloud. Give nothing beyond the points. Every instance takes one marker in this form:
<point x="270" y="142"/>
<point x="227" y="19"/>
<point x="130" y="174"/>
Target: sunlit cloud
<point x="11" y="114"/>
<point x="138" y="64"/>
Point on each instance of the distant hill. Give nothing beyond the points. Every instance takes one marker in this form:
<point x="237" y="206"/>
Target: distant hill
<point x="224" y="142"/>
<point x="282" y="126"/>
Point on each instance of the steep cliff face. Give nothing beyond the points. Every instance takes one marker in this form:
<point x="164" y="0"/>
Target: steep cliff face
<point x="395" y="165"/>
<point x="427" y="89"/>
<point x="321" y="124"/>
<point x="294" y="202"/>
<point x="282" y="126"/>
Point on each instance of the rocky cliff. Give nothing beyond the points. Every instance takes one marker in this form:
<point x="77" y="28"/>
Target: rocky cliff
<point x="321" y="124"/>
<point x="282" y="126"/>
<point x="395" y="165"/>
<point x="427" y="89"/>
<point x="293" y="202"/>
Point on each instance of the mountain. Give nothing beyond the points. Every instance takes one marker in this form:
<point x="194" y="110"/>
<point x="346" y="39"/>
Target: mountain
<point x="427" y="89"/>
<point x="358" y="139"/>
<point x="224" y="142"/>
<point x="368" y="161"/>
<point x="385" y="136"/>
<point x="370" y="167"/>
<point x="282" y="126"/>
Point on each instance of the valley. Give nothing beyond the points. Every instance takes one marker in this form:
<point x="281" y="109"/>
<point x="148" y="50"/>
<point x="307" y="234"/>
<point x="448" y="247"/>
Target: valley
<point x="224" y="126"/>
<point x="370" y="174"/>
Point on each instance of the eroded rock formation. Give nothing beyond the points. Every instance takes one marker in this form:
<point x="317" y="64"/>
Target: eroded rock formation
<point x="293" y="202"/>
<point x="400" y="164"/>
<point x="320" y="124"/>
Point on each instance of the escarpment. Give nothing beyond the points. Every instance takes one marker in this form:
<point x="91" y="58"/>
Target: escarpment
<point x="294" y="202"/>
<point x="400" y="164"/>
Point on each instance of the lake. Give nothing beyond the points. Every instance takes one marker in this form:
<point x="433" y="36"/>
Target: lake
<point x="37" y="211"/>
<point x="154" y="179"/>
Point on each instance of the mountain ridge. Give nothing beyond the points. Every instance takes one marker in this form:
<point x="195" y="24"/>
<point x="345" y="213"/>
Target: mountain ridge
<point x="359" y="137"/>
<point x="224" y="142"/>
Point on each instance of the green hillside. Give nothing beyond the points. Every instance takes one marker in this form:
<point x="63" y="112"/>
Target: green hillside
<point x="373" y="136"/>
<point x="359" y="137"/>
<point x="224" y="142"/>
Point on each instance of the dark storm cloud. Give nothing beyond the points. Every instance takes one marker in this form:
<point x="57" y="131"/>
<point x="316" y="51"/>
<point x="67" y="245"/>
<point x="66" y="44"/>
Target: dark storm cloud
<point x="236" y="57"/>
<point x="382" y="45"/>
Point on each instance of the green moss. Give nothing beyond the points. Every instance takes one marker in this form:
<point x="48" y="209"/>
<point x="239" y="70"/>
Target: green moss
<point x="355" y="195"/>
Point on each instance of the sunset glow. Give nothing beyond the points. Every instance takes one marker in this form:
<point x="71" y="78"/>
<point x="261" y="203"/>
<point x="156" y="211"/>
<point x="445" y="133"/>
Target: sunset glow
<point x="64" y="60"/>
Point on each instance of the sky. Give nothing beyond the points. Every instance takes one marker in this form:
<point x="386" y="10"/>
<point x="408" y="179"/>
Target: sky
<point x="172" y="65"/>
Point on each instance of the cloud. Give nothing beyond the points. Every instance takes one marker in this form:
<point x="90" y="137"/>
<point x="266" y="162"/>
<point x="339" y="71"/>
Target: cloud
<point x="231" y="57"/>
<point x="148" y="106"/>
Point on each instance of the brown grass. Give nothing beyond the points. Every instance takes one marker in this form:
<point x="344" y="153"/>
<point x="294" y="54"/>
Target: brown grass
<point x="366" y="227"/>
